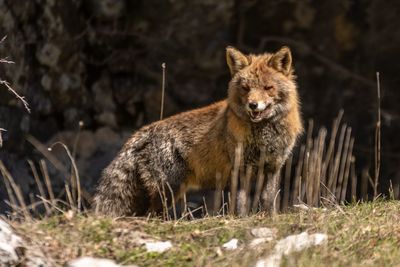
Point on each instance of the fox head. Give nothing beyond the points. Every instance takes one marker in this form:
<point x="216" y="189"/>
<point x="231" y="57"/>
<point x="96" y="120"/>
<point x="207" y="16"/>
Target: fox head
<point x="262" y="86"/>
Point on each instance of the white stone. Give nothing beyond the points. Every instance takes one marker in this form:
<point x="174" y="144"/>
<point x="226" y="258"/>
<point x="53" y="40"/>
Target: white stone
<point x="290" y="244"/>
<point x="8" y="243"/>
<point x="92" y="262"/>
<point x="158" y="246"/>
<point x="231" y="244"/>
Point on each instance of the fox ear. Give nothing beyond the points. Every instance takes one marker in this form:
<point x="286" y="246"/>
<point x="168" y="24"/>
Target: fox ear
<point x="282" y="61"/>
<point x="235" y="60"/>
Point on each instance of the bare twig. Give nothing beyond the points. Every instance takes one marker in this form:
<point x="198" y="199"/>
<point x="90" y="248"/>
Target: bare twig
<point x="21" y="98"/>
<point x="6" y="61"/>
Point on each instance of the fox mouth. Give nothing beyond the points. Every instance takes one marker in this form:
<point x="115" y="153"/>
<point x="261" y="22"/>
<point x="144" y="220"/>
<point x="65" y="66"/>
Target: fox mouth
<point x="256" y="116"/>
<point x="259" y="115"/>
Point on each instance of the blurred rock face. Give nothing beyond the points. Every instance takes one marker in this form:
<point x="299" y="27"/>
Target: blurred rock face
<point x="99" y="62"/>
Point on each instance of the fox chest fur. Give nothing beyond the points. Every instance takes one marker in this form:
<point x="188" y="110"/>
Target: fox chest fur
<point x="215" y="154"/>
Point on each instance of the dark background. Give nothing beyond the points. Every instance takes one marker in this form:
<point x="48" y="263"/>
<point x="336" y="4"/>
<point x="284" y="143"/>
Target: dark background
<point x="99" y="62"/>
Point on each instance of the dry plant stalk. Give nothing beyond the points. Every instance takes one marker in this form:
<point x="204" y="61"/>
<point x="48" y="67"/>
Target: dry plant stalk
<point x="377" y="137"/>
<point x="260" y="180"/>
<point x="11" y="197"/>
<point x="323" y="170"/>
<point x="217" y="193"/>
<point x="172" y="200"/>
<point x="243" y="196"/>
<point x="39" y="185"/>
<point x="206" y="214"/>
<point x="1" y="137"/>
<point x="185" y="206"/>
<point x="286" y="183"/>
<point x="345" y="162"/>
<point x="234" y="178"/>
<point x="47" y="181"/>
<point x="297" y="178"/>
<point x="163" y="66"/>
<point x="74" y="178"/>
<point x="46" y="153"/>
<point x="349" y="162"/>
<point x="164" y="206"/>
<point x="353" y="179"/>
<point x="17" y="191"/>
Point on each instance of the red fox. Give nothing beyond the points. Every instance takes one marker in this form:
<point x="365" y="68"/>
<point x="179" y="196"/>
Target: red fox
<point x="187" y="150"/>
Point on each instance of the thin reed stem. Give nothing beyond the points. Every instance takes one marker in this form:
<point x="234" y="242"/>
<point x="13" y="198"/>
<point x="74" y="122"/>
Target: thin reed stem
<point x="377" y="137"/>
<point x="163" y="66"/>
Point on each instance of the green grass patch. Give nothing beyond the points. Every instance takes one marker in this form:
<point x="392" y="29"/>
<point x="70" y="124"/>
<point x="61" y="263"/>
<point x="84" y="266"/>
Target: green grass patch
<point x="365" y="234"/>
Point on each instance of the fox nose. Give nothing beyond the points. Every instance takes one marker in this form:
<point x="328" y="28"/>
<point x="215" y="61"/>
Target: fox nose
<point x="253" y="105"/>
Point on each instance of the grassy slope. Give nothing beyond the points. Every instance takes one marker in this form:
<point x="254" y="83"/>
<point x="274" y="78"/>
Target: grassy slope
<point x="359" y="235"/>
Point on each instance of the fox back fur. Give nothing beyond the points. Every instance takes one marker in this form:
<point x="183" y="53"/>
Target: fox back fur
<point x="188" y="150"/>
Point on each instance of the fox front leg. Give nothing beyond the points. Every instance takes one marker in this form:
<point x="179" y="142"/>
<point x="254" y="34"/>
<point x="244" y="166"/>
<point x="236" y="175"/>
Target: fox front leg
<point x="270" y="194"/>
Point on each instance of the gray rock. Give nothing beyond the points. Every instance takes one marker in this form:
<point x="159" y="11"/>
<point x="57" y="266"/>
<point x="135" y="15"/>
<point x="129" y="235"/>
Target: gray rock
<point x="9" y="242"/>
<point x="15" y="252"/>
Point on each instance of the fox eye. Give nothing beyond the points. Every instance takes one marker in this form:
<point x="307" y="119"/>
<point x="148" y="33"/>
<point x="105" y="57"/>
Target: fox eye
<point x="267" y="88"/>
<point x="245" y="88"/>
